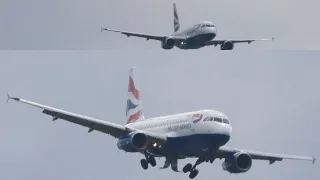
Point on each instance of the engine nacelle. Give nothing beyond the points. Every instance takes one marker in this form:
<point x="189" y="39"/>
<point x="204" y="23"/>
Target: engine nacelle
<point x="239" y="163"/>
<point x="133" y="142"/>
<point x="227" y="45"/>
<point x="168" y="43"/>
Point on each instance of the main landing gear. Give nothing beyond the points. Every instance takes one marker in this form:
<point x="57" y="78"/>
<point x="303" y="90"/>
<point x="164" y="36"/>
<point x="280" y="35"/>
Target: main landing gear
<point x="192" y="169"/>
<point x="148" y="160"/>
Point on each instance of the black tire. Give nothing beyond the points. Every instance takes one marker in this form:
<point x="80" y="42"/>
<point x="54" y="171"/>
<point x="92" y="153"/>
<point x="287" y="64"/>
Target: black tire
<point x="144" y="164"/>
<point x="193" y="173"/>
<point x="187" y="168"/>
<point x="152" y="161"/>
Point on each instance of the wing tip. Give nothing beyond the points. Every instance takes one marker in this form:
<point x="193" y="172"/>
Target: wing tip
<point x="10" y="97"/>
<point x="313" y="160"/>
<point x="104" y="29"/>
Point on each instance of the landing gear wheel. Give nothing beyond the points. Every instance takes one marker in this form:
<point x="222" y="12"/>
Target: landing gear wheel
<point x="187" y="168"/>
<point x="152" y="161"/>
<point x="193" y="173"/>
<point x="144" y="164"/>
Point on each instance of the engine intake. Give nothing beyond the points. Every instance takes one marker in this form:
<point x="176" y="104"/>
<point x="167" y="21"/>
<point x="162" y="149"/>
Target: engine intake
<point x="239" y="163"/>
<point x="167" y="43"/>
<point x="133" y="142"/>
<point x="227" y="45"/>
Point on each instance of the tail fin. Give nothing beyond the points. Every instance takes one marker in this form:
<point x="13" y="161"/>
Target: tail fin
<point x="176" y="24"/>
<point x="134" y="108"/>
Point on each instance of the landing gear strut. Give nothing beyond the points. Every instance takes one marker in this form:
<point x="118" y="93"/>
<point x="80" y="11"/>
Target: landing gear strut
<point x="192" y="169"/>
<point x="148" y="160"/>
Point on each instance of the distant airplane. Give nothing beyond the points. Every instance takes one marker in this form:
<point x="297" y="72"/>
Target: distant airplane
<point x="198" y="36"/>
<point x="199" y="134"/>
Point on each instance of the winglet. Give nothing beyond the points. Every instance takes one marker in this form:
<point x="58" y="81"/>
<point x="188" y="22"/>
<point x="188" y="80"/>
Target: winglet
<point x="314" y="160"/>
<point x="272" y="38"/>
<point x="101" y="29"/>
<point x="8" y="97"/>
<point x="14" y="98"/>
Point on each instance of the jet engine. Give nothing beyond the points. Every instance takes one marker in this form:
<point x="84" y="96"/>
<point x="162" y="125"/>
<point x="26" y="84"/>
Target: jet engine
<point x="133" y="142"/>
<point x="238" y="163"/>
<point x="227" y="45"/>
<point x="167" y="43"/>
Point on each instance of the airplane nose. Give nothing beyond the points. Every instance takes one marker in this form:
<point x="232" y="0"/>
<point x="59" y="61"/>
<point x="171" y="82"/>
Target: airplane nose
<point x="224" y="134"/>
<point x="224" y="138"/>
<point x="214" y="30"/>
<point x="227" y="134"/>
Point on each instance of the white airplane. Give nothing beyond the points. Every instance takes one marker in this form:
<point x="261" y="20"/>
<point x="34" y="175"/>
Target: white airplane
<point x="199" y="134"/>
<point x="198" y="36"/>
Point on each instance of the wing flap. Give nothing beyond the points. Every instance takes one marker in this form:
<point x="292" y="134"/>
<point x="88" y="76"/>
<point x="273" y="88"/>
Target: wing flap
<point x="115" y="132"/>
<point x="271" y="157"/>
<point x="219" y="42"/>
<point x="142" y="35"/>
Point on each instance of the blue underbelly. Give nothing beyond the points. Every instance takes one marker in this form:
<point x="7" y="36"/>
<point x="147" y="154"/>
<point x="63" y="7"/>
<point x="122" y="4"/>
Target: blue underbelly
<point x="192" y="145"/>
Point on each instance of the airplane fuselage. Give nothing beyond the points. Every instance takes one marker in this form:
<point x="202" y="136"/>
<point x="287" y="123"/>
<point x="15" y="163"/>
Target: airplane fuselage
<point x="197" y="36"/>
<point x="189" y="134"/>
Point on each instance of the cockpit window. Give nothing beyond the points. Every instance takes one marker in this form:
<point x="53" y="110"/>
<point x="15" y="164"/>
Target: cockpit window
<point x="218" y="119"/>
<point x="208" y="119"/>
<point x="226" y="121"/>
<point x="207" y="25"/>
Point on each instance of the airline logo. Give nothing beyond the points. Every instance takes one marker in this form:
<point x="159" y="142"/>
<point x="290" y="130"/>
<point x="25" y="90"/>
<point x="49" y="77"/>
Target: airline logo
<point x="176" y="18"/>
<point x="132" y="106"/>
<point x="132" y="89"/>
<point x="196" y="118"/>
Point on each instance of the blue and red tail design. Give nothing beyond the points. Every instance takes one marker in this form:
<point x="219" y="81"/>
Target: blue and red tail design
<point x="134" y="109"/>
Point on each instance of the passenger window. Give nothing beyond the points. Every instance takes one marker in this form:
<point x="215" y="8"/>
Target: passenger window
<point x="226" y="121"/>
<point x="218" y="119"/>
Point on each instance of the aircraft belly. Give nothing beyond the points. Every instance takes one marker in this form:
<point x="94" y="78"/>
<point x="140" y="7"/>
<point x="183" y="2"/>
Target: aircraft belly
<point x="198" y="41"/>
<point x="191" y="145"/>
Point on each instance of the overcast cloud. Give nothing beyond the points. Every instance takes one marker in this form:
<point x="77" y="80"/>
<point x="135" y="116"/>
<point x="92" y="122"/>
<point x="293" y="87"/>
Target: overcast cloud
<point x="272" y="99"/>
<point x="75" y="24"/>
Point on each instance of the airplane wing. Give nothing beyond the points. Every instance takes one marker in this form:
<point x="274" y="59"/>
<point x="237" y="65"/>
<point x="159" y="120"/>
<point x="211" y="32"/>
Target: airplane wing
<point x="219" y="42"/>
<point x="142" y="35"/>
<point x="112" y="129"/>
<point x="147" y="36"/>
<point x="226" y="151"/>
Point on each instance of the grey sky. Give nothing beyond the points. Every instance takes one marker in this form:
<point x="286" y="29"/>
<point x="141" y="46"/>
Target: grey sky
<point x="272" y="99"/>
<point x="75" y="24"/>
